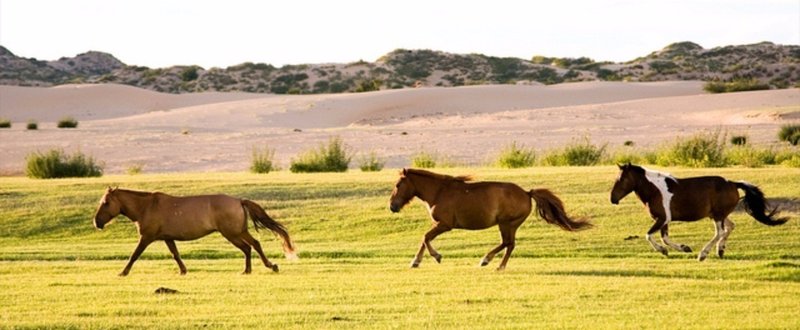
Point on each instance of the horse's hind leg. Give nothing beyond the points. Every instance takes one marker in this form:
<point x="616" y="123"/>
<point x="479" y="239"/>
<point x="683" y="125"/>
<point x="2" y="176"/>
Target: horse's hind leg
<point x="722" y="241"/>
<point x="257" y="246"/>
<point x="490" y="255"/>
<point x="509" y="234"/>
<point x="670" y="243"/>
<point x="240" y="243"/>
<point x="176" y="255"/>
<point x="719" y="229"/>
<point x="426" y="243"/>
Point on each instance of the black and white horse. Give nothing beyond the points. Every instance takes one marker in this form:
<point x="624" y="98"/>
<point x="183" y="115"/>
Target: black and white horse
<point x="690" y="199"/>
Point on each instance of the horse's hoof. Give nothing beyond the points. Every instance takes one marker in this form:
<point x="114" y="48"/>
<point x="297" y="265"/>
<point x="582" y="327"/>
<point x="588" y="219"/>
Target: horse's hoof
<point x="274" y="267"/>
<point x="246" y="272"/>
<point x="484" y="262"/>
<point x="183" y="273"/>
<point x="438" y="258"/>
<point x="414" y="264"/>
<point x="721" y="253"/>
<point x="701" y="257"/>
<point x="664" y="252"/>
<point x="501" y="268"/>
<point x="122" y="274"/>
<point x="686" y="248"/>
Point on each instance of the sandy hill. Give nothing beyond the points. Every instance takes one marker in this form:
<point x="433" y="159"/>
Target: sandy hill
<point x="124" y="126"/>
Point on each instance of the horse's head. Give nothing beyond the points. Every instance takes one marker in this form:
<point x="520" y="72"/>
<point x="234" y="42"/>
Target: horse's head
<point x="403" y="192"/>
<point x="109" y="208"/>
<point x="626" y="182"/>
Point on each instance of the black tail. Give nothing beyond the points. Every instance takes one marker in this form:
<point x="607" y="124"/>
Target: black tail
<point x="262" y="220"/>
<point x="551" y="209"/>
<point x="756" y="205"/>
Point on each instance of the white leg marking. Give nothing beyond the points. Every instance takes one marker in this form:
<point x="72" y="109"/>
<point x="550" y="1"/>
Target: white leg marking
<point x="655" y="245"/>
<point x="717" y="235"/>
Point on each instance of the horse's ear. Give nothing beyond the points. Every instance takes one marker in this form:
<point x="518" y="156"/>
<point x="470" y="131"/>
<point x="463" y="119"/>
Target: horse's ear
<point x="405" y="171"/>
<point x="621" y="167"/>
<point x="109" y="189"/>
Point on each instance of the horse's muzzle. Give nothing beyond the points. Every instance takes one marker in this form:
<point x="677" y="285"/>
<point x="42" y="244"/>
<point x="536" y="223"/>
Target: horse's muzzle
<point x="394" y="208"/>
<point x="98" y="224"/>
<point x="614" y="201"/>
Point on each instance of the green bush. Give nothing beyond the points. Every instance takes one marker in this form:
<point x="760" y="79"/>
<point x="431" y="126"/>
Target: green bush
<point x="748" y="156"/>
<point x="788" y="157"/>
<point x="331" y="158"/>
<point x="700" y="150"/>
<point x="262" y="161"/>
<point x="580" y="153"/>
<point x="134" y="169"/>
<point x="370" y="163"/>
<point x="5" y="123"/>
<point x="737" y="85"/>
<point x="56" y="164"/>
<point x="67" y="122"/>
<point x="32" y="125"/>
<point x="513" y="156"/>
<point x="790" y="133"/>
<point x="423" y="160"/>
<point x="739" y="140"/>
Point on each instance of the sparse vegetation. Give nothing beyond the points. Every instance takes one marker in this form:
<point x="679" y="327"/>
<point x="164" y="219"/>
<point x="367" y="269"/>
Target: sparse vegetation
<point x="57" y="164"/>
<point x="370" y="163"/>
<point x="699" y="150"/>
<point x="578" y="153"/>
<point x="5" y="123"/>
<point x="135" y="169"/>
<point x="513" y="156"/>
<point x="739" y="140"/>
<point x="790" y="133"/>
<point x="262" y="160"/>
<point x="67" y="122"/>
<point x="32" y="125"/>
<point x="333" y="157"/>
<point x="423" y="160"/>
<point x="738" y="85"/>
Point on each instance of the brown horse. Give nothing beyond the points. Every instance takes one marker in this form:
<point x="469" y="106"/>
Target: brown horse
<point x="454" y="202"/>
<point x="690" y="199"/>
<point x="168" y="218"/>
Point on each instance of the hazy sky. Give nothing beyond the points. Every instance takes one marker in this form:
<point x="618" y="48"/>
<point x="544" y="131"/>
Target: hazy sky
<point x="226" y="32"/>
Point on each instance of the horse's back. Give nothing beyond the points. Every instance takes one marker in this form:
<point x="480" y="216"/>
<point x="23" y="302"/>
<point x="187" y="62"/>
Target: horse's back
<point x="479" y="205"/>
<point x="697" y="197"/>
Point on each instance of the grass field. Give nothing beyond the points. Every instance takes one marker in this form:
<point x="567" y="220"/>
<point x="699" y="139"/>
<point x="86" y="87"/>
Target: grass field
<point x="57" y="271"/>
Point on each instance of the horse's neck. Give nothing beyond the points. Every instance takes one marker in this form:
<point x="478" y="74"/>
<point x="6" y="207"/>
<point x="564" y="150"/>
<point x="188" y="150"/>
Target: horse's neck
<point x="428" y="188"/>
<point x="645" y="190"/>
<point x="133" y="205"/>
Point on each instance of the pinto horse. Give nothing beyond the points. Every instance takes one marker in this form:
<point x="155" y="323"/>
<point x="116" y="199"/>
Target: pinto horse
<point x="690" y="199"/>
<point x="455" y="202"/>
<point x="168" y="218"/>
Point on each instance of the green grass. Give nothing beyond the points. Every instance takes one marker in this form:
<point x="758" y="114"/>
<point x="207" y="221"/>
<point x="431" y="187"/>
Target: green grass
<point x="57" y="271"/>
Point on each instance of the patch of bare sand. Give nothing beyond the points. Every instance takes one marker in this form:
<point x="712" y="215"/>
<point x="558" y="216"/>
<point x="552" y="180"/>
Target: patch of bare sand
<point x="469" y="125"/>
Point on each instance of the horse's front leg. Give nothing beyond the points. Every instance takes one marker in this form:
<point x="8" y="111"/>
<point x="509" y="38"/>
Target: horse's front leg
<point x="144" y="241"/>
<point x="665" y="239"/>
<point x="426" y="243"/>
<point x="660" y="222"/>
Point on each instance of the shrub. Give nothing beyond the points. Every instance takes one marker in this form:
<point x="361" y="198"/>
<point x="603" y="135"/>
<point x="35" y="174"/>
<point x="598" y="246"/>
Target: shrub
<point x="56" y="164"/>
<point x="67" y="122"/>
<point x="790" y="133"/>
<point x="370" y="163"/>
<point x="581" y="153"/>
<point x="700" y="150"/>
<point x="262" y="160"/>
<point x="32" y="125"/>
<point x="5" y="123"/>
<point x="739" y="140"/>
<point x="749" y="156"/>
<point x="737" y="85"/>
<point x="513" y="156"/>
<point x="423" y="160"/>
<point x="628" y="143"/>
<point x="788" y="157"/>
<point x="134" y="169"/>
<point x="331" y="158"/>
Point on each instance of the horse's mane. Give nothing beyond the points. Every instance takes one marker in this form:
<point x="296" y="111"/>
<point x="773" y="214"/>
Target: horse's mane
<point x="136" y="192"/>
<point x="459" y="178"/>
<point x="643" y="171"/>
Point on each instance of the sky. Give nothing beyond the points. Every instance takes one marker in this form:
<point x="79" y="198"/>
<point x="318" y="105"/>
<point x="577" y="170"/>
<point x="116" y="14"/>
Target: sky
<point x="162" y="33"/>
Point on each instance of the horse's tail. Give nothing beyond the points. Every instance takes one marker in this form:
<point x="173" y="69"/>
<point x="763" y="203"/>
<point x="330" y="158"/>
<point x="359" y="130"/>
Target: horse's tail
<point x="756" y="205"/>
<point x="262" y="220"/>
<point x="551" y="209"/>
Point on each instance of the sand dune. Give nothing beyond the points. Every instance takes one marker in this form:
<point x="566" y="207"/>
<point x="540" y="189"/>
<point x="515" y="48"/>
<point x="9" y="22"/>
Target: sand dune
<point x="123" y="126"/>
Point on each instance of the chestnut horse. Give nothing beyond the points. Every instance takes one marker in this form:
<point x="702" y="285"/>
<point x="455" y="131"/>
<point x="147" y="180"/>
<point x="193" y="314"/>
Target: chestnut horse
<point x="690" y="199"/>
<point x="455" y="202"/>
<point x="168" y="218"/>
